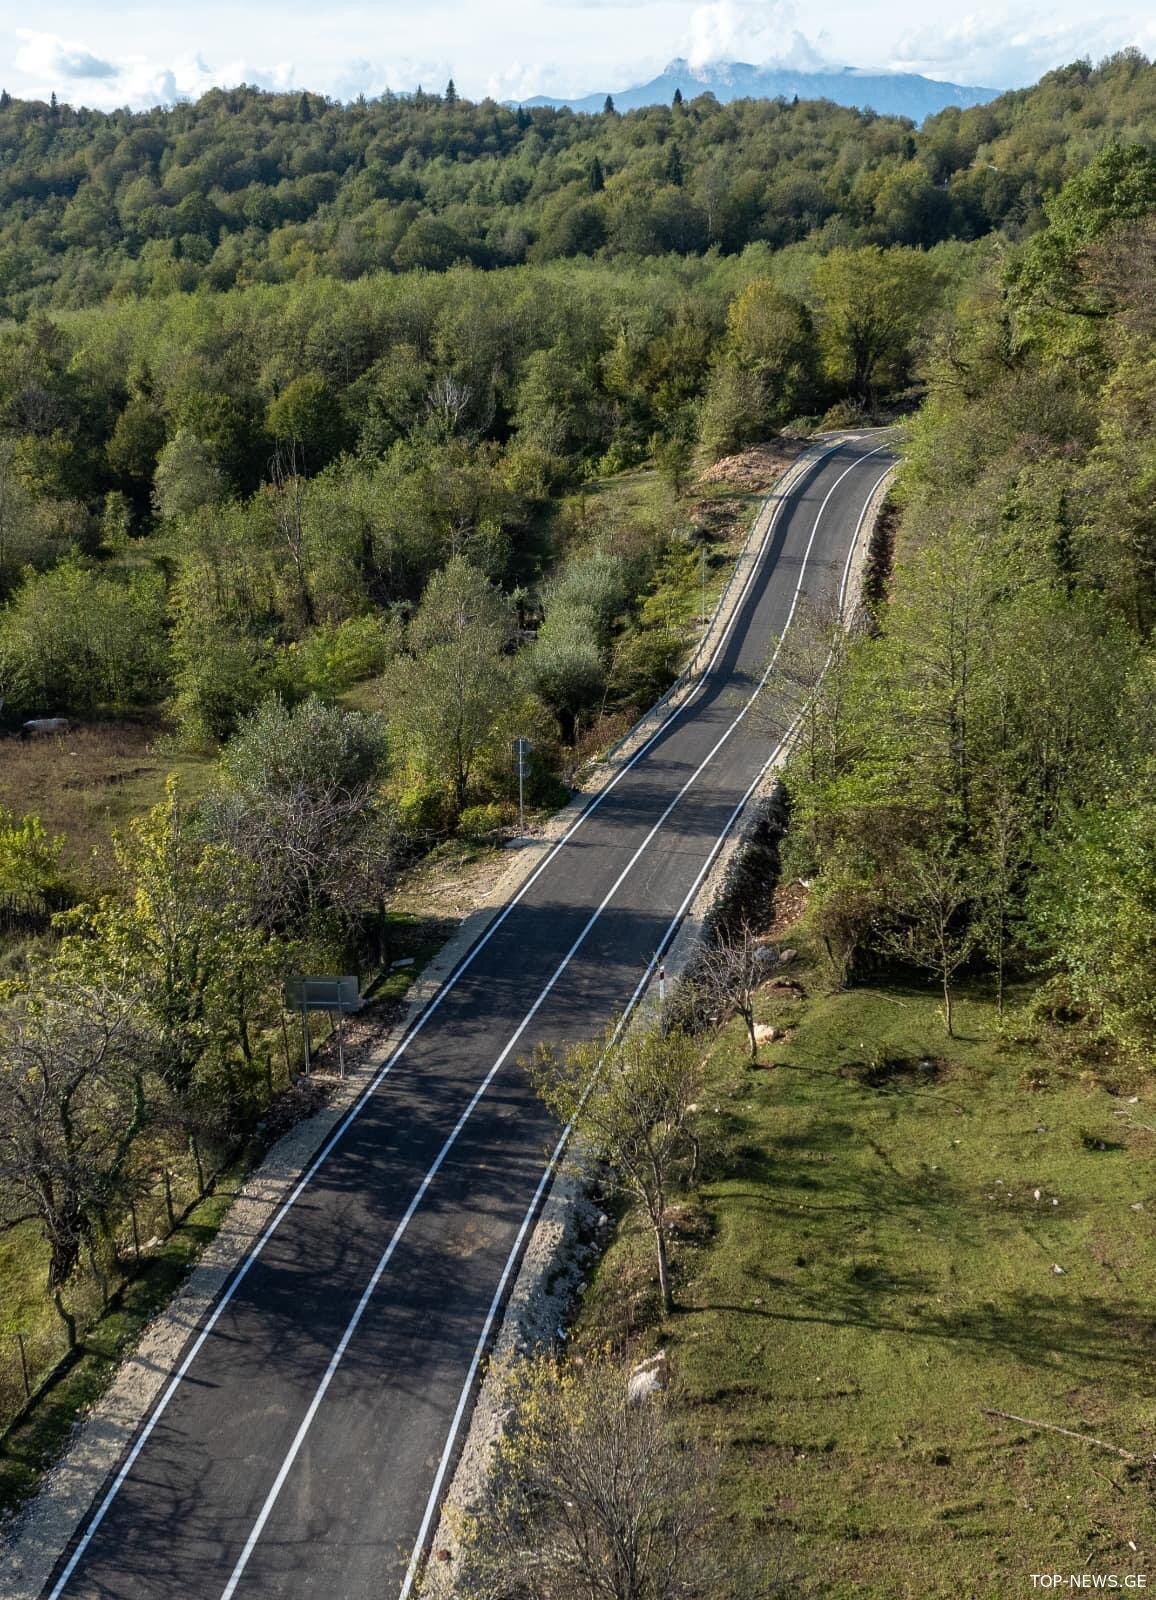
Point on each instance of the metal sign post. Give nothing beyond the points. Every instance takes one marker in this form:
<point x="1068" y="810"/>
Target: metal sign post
<point x="702" y="575"/>
<point x="522" y="751"/>
<point x="323" y="994"/>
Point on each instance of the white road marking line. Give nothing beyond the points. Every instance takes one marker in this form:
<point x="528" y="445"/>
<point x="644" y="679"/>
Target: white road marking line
<point x="516" y="1248"/>
<point x="359" y="1104"/>
<point x="398" y="1233"/>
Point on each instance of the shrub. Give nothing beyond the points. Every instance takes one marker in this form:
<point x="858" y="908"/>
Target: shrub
<point x="646" y="664"/>
<point x="73" y="639"/>
<point x="218" y="686"/>
<point x="476" y="822"/>
<point x="424" y="810"/>
<point x="337" y="655"/>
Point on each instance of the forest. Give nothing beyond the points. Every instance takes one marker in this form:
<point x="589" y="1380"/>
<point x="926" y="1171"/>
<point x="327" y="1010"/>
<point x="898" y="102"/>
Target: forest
<point x="246" y="187"/>
<point x="303" y="408"/>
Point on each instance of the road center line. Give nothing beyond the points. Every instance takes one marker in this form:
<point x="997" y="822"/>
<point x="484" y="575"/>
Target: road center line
<point x="399" y="1232"/>
<point x="515" y="1252"/>
<point x="446" y="987"/>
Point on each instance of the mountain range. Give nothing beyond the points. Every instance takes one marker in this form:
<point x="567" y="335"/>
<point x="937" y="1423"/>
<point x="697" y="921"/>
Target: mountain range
<point x="904" y="94"/>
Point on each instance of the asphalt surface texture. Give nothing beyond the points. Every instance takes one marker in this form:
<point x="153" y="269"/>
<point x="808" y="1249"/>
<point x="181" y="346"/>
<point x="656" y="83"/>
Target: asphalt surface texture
<point x="296" y="1455"/>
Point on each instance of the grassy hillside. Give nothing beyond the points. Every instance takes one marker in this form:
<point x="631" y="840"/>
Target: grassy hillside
<point x="89" y="784"/>
<point x="867" y="1269"/>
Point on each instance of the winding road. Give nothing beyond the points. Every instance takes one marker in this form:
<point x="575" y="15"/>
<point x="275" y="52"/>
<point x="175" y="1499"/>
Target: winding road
<point x="300" y="1445"/>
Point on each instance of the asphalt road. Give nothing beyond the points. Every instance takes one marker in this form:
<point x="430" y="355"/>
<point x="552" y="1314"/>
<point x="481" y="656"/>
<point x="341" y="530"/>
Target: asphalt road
<point x="297" y="1450"/>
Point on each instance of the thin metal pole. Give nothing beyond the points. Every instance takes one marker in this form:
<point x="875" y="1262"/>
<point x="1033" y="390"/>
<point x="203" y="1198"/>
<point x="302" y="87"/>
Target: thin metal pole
<point x="305" y="1035"/>
<point x="341" y="1037"/>
<point x="521" y="797"/>
<point x="702" y="572"/>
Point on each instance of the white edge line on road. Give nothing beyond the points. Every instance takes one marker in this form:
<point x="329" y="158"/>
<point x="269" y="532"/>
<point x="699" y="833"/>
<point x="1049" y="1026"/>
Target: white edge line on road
<point x="447" y="985"/>
<point x="398" y="1233"/>
<point x="556" y="1154"/>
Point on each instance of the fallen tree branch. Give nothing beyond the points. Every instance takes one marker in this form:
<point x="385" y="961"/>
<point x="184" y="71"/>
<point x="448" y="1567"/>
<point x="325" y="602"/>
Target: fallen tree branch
<point x="1051" y="1427"/>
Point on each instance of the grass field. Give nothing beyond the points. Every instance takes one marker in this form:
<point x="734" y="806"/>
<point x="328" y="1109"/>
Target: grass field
<point x="868" y="1267"/>
<point x="91" y="782"/>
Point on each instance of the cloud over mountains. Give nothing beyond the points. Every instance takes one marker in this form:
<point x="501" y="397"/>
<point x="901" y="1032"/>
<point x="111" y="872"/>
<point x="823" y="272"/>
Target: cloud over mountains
<point x="514" y="49"/>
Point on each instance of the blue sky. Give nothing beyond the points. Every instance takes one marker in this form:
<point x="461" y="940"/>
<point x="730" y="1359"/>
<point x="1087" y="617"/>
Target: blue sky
<point x="148" y="51"/>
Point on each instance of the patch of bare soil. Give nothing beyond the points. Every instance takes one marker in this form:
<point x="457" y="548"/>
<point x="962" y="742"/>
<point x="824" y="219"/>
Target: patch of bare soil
<point x="790" y="904"/>
<point x="894" y="1072"/>
<point x="756" y="469"/>
<point x="450" y="882"/>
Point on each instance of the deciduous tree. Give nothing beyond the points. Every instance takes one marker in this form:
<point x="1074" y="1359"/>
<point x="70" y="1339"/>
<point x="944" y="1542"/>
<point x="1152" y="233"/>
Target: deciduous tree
<point x="452" y="693"/>
<point x="631" y="1099"/>
<point x="593" y="1496"/>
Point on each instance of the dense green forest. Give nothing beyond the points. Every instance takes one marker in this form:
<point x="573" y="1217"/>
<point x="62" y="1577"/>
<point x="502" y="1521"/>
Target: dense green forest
<point x="245" y="187"/>
<point x="301" y="421"/>
<point x="976" y="791"/>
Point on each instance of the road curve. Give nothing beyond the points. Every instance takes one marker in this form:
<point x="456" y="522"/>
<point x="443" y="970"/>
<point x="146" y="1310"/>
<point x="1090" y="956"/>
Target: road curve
<point x="299" y="1446"/>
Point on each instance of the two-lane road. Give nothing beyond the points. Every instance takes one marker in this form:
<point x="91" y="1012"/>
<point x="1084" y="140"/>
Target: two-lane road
<point x="299" y="1446"/>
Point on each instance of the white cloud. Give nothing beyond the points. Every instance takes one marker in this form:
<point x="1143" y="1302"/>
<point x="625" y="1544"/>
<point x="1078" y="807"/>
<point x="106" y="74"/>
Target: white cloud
<point x="45" y="55"/>
<point x="513" y="49"/>
<point x="760" y="31"/>
<point x="998" y="49"/>
<point x="521" y="80"/>
<point x="48" y="63"/>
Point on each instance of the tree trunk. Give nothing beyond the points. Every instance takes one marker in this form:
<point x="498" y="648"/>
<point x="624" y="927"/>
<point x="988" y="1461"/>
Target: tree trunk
<point x="65" y="1316"/>
<point x="947" y="1013"/>
<point x="663" y="1268"/>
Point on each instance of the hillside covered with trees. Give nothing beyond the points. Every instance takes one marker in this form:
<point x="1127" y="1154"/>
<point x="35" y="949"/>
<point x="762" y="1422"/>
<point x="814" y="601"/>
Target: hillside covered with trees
<point x="246" y="187"/>
<point x="313" y="423"/>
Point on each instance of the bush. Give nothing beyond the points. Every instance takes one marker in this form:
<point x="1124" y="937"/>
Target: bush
<point x="735" y="410"/>
<point x="299" y="799"/>
<point x="843" y="414"/>
<point x="424" y="810"/>
<point x="73" y="639"/>
<point x="30" y="870"/>
<point x="620" y="457"/>
<point x="476" y="822"/>
<point x="567" y="666"/>
<point x="531" y="472"/>
<point x="337" y="655"/>
<point x="217" y="686"/>
<point x="596" y="583"/>
<point x="646" y="665"/>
